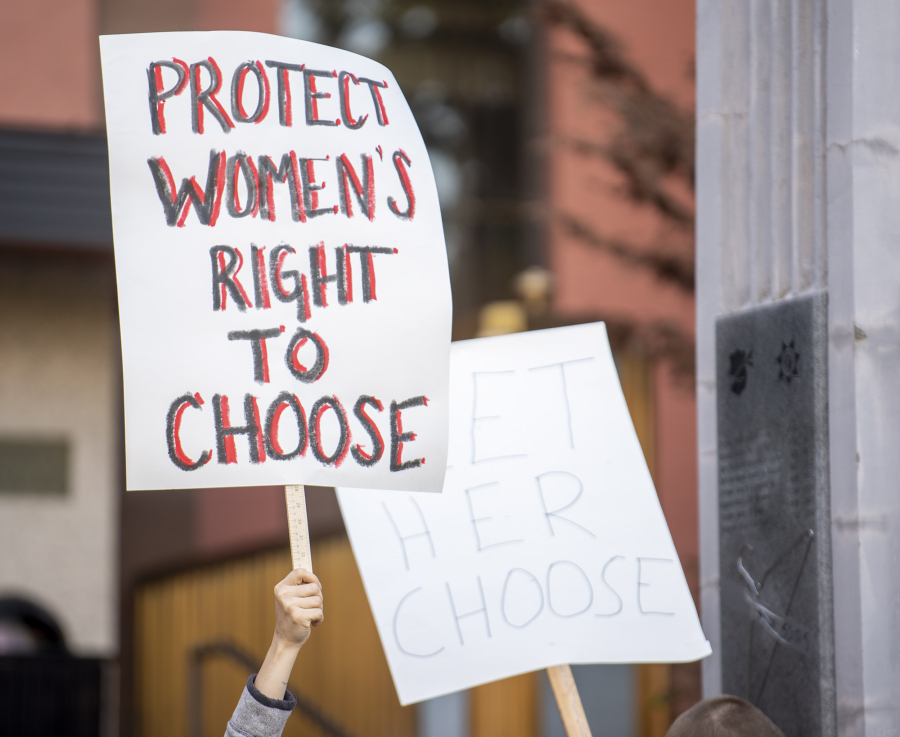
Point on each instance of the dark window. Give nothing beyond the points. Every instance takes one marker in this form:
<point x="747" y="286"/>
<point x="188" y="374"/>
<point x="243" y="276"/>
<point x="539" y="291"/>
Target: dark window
<point x="33" y="466"/>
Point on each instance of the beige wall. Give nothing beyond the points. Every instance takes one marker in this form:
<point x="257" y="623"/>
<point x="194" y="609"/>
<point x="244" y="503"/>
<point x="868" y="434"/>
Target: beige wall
<point x="58" y="380"/>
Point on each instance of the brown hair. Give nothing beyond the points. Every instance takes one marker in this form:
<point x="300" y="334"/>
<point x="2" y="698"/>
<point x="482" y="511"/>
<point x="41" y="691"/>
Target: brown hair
<point x="724" y="716"/>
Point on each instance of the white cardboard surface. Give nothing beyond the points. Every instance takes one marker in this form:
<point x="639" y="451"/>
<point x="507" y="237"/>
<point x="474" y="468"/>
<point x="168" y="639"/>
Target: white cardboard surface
<point x="548" y="544"/>
<point x="392" y="346"/>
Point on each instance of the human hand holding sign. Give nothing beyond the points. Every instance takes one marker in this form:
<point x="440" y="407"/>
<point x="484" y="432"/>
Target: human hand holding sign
<point x="298" y="608"/>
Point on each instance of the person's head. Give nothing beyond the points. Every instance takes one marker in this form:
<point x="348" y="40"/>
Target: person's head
<point x="28" y="629"/>
<point x="724" y="716"/>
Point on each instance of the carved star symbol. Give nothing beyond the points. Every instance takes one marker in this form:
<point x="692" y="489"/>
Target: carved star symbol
<point x="788" y="360"/>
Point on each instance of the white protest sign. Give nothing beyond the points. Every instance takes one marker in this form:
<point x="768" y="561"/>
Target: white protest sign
<point x="548" y="544"/>
<point x="283" y="288"/>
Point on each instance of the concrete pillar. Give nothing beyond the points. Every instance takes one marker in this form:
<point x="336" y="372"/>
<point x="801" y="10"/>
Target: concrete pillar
<point x="799" y="193"/>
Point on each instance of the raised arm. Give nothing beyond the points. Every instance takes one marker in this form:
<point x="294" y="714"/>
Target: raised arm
<point x="298" y="608"/>
<point x="266" y="703"/>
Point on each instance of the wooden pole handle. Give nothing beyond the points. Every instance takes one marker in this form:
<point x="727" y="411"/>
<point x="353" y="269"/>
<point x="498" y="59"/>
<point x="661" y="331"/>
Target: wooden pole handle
<point x="568" y="701"/>
<point x="301" y="555"/>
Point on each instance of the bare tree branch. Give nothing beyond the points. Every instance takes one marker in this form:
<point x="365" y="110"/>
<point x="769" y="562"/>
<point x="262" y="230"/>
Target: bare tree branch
<point x="608" y="60"/>
<point x="658" y="340"/>
<point x="644" y="185"/>
<point x="656" y="138"/>
<point x="666" y="266"/>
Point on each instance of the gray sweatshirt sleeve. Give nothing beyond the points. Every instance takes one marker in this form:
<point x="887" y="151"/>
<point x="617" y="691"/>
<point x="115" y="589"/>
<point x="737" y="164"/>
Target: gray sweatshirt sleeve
<point x="257" y="715"/>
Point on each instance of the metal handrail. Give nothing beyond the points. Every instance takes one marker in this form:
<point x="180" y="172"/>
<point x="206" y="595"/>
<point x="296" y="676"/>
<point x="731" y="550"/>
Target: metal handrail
<point x="230" y="650"/>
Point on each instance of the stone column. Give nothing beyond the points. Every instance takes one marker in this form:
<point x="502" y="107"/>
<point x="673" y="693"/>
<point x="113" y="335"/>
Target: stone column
<point x="799" y="210"/>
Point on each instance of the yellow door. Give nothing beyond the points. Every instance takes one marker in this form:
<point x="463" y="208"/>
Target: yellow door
<point x="342" y="669"/>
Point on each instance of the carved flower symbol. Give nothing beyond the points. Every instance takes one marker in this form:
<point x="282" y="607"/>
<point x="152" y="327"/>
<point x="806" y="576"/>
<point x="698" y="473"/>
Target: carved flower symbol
<point x="740" y="360"/>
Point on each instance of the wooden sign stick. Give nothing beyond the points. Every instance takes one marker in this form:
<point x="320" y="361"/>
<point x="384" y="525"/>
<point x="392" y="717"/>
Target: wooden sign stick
<point x="568" y="701"/>
<point x="301" y="555"/>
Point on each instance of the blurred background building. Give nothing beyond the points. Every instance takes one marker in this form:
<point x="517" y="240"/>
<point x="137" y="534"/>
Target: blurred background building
<point x="561" y="134"/>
